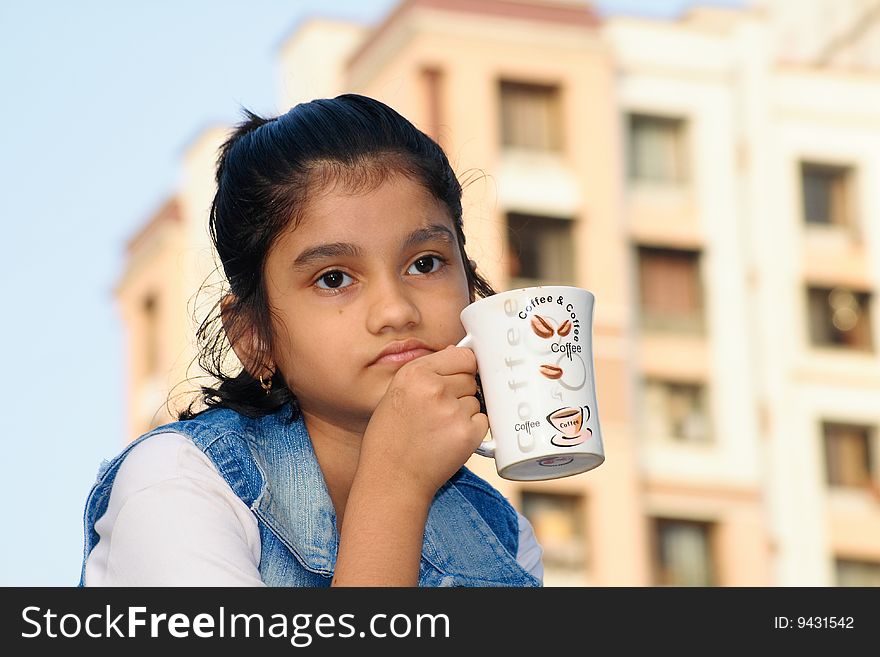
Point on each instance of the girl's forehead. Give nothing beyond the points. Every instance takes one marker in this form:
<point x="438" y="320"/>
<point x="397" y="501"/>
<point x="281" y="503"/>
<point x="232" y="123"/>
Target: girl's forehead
<point x="395" y="201"/>
<point x="391" y="210"/>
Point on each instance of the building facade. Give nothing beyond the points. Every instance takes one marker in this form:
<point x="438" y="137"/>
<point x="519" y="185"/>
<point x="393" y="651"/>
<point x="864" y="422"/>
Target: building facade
<point x="708" y="181"/>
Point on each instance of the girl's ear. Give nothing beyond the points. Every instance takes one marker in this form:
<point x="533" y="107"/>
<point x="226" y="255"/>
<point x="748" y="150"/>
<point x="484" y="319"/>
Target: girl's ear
<point x="244" y="338"/>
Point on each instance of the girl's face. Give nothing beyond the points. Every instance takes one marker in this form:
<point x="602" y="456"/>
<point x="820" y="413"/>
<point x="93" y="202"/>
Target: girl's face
<point x="365" y="283"/>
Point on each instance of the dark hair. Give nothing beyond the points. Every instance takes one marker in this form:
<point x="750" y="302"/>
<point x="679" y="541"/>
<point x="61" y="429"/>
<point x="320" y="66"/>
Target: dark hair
<point x="266" y="170"/>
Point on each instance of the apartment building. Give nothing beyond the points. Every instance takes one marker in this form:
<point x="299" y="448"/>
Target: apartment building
<point x="748" y="161"/>
<point x="711" y="188"/>
<point x="816" y="270"/>
<point x="699" y="445"/>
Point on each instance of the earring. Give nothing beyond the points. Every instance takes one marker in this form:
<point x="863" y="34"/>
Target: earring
<point x="267" y="384"/>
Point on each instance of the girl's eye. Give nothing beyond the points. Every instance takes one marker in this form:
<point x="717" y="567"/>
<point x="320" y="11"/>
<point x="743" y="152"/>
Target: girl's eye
<point x="425" y="265"/>
<point x="333" y="280"/>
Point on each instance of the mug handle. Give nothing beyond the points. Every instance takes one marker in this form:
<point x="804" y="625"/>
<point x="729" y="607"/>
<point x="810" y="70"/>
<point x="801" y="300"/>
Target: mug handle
<point x="487" y="447"/>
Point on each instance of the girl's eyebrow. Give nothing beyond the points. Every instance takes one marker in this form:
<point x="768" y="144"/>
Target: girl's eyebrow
<point x="432" y="232"/>
<point x="334" y="250"/>
<point x="307" y="258"/>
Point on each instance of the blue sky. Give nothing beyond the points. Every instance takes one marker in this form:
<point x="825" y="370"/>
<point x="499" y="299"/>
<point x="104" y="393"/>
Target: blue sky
<point x="100" y="100"/>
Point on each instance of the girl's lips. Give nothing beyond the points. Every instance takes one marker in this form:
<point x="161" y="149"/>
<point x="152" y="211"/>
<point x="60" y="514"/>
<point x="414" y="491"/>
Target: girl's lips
<point x="402" y="357"/>
<point x="402" y="351"/>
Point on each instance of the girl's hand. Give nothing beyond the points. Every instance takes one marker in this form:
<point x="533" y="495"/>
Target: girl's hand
<point x="427" y="424"/>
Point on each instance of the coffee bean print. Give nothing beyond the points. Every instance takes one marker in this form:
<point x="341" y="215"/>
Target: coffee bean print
<point x="542" y="327"/>
<point x="551" y="371"/>
<point x="564" y="328"/>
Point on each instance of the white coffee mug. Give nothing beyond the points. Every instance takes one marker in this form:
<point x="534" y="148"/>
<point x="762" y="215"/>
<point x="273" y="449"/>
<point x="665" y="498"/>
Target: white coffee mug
<point x="535" y="362"/>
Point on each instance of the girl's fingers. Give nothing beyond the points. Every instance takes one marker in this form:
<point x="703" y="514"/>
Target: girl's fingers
<point x="471" y="405"/>
<point x="454" y="360"/>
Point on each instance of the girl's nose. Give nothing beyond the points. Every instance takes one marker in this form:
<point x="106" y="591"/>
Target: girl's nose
<point x="392" y="308"/>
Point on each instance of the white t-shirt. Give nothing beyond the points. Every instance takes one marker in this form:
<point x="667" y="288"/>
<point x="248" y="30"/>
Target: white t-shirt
<point x="172" y="520"/>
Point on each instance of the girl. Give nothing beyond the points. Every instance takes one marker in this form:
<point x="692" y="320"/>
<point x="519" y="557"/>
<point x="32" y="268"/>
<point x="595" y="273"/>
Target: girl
<point x="334" y="454"/>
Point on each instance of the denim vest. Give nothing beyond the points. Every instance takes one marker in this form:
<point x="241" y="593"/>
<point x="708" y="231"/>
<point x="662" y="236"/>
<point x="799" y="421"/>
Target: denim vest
<point x="471" y="535"/>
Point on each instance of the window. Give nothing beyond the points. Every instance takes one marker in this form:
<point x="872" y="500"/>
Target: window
<point x="684" y="553"/>
<point x="670" y="289"/>
<point x="826" y="194"/>
<point x="150" y="309"/>
<point x="848" y="454"/>
<point x="530" y="116"/>
<point x="558" y="521"/>
<point x="676" y="410"/>
<point x="851" y="572"/>
<point x="541" y="250"/>
<point x="839" y="318"/>
<point x="656" y="149"/>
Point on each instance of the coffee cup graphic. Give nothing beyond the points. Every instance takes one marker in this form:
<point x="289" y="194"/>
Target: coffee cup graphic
<point x="569" y="422"/>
